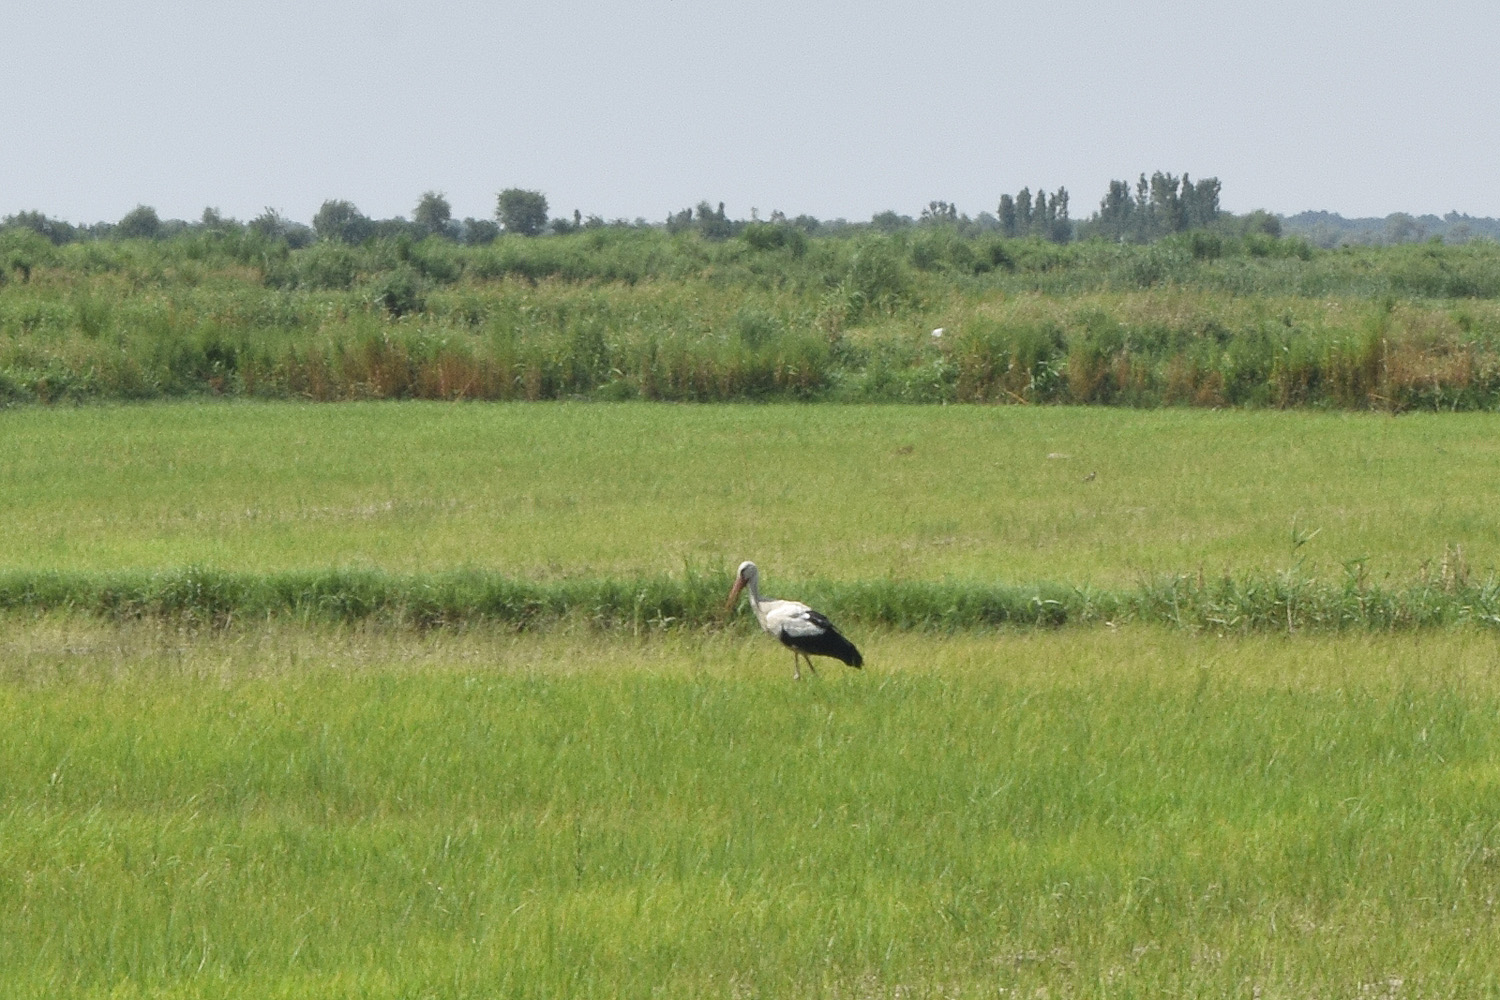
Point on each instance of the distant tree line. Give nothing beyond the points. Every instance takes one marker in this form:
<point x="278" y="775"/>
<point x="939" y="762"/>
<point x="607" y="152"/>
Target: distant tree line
<point x="1044" y="217"/>
<point x="341" y="221"/>
<point x="1329" y="229"/>
<point x="711" y="223"/>
<point x="1147" y="210"/>
<point x="1158" y="207"/>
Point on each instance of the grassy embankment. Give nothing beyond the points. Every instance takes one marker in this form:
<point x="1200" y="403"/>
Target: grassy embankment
<point x="285" y="812"/>
<point x="1199" y="320"/>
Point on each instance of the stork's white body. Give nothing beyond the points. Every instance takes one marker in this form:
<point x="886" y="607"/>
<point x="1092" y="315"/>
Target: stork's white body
<point x="795" y="625"/>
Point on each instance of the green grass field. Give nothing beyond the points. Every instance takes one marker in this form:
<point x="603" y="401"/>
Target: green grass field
<point x="285" y="809"/>
<point x="840" y="493"/>
<point x="1093" y="813"/>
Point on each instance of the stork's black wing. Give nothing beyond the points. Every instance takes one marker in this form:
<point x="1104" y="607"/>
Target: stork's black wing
<point x="812" y="633"/>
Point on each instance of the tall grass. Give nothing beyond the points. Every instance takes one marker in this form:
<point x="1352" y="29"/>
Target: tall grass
<point x="285" y="813"/>
<point x="1286" y="601"/>
<point x="639" y="314"/>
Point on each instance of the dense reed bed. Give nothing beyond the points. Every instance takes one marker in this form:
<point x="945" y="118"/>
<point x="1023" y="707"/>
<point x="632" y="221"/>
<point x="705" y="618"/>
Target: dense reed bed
<point x="1197" y="320"/>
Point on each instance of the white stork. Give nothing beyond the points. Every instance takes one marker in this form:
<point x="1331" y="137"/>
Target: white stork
<point x="806" y="632"/>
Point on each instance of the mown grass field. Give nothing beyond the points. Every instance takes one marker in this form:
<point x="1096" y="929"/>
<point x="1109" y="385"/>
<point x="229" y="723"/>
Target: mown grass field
<point x="840" y="493"/>
<point x="1094" y="813"/>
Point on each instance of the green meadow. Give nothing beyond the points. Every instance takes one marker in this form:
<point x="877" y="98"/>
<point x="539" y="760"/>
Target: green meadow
<point x="279" y="806"/>
<point x="291" y="812"/>
<point x="1074" y="496"/>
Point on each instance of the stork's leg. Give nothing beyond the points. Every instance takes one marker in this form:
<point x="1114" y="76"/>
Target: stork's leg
<point x="796" y="666"/>
<point x="810" y="665"/>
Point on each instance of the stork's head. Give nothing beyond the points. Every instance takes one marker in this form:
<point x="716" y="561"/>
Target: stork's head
<point x="744" y="577"/>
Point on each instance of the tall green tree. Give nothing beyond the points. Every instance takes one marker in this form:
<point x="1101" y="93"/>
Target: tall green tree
<point x="1036" y="215"/>
<point x="1007" y="213"/>
<point x="939" y="212"/>
<point x="712" y="223"/>
<point x="1059" y="226"/>
<point x="522" y="212"/>
<point x="337" y="219"/>
<point x="1166" y="205"/>
<point x="1163" y="204"/>
<point x="1041" y="214"/>
<point x="140" y="223"/>
<point x="1200" y="201"/>
<point x="432" y="214"/>
<point x="1116" y="218"/>
<point x="272" y="225"/>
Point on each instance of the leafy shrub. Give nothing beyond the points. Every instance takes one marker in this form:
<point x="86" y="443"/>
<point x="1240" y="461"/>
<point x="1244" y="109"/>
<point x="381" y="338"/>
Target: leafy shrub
<point x="326" y="265"/>
<point x="339" y="220"/>
<point x="478" y="232"/>
<point x="756" y="327"/>
<point x="437" y="260"/>
<point x="400" y="291"/>
<point x="140" y="223"/>
<point x="775" y="236"/>
<point x="1156" y="264"/>
<point x="992" y="253"/>
<point x="877" y="279"/>
<point x="23" y="250"/>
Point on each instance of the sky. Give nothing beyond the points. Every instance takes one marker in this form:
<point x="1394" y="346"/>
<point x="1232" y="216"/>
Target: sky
<point x="837" y="110"/>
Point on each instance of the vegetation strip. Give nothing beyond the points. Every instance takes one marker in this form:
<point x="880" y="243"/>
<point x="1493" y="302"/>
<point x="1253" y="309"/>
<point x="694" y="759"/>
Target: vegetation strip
<point x="1287" y="601"/>
<point x="1204" y="318"/>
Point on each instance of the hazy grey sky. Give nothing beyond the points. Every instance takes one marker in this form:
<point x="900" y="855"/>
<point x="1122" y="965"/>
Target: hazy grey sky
<point x="834" y="109"/>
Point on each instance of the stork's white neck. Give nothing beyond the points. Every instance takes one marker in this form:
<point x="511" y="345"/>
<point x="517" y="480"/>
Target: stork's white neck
<point x="752" y="587"/>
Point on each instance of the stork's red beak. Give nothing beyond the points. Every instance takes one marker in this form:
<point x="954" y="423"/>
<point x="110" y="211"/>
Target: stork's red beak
<point x="734" y="592"/>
